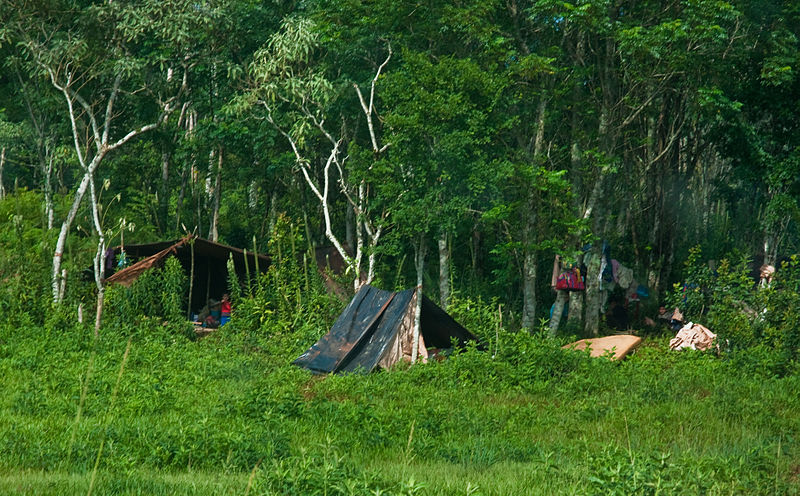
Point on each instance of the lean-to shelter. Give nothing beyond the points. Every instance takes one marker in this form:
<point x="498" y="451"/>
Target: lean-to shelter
<point x="376" y="330"/>
<point x="203" y="261"/>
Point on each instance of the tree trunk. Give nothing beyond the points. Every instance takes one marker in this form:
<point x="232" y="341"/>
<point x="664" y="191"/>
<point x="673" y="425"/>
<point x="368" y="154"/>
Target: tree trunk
<point x="272" y="213"/>
<point x="575" y="314"/>
<point x="2" y="164"/>
<point x="530" y="234"/>
<point x="593" y="293"/>
<point x="558" y="309"/>
<point x="98" y="319"/>
<point x="444" y="270"/>
<point x="420" y="266"/>
<point x="163" y="200"/>
<point x="62" y="238"/>
<point x="48" y="189"/>
<point x="213" y="229"/>
<point x="349" y="226"/>
<point x="576" y="300"/>
<point x="100" y="256"/>
<point x="529" y="269"/>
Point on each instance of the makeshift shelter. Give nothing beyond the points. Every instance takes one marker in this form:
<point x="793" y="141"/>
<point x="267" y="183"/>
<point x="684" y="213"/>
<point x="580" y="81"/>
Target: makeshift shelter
<point x="377" y="330"/>
<point x="203" y="261"/>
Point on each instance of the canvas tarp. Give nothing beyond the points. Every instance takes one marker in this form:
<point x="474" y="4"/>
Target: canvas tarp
<point x="376" y="331"/>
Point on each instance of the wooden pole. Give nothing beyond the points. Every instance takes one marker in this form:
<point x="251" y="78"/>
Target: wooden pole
<point x="191" y="280"/>
<point x="247" y="271"/>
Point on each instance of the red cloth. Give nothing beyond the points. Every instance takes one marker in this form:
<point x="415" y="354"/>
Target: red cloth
<point x="226" y="308"/>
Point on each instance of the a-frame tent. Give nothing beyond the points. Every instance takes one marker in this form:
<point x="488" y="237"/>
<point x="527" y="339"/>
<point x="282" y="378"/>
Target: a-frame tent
<point x="376" y="330"/>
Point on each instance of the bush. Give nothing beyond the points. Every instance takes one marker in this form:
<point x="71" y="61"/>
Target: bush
<point x="743" y="314"/>
<point x="154" y="298"/>
<point x="286" y="309"/>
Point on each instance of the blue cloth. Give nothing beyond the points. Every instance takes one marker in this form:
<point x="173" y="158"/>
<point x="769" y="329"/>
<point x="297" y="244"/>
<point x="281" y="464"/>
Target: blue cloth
<point x="564" y="313"/>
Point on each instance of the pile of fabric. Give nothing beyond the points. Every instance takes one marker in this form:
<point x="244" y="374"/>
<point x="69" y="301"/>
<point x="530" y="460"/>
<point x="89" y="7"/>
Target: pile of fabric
<point x="693" y="336"/>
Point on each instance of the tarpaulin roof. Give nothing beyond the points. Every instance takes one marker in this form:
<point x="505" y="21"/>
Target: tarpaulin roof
<point x="376" y="330"/>
<point x="210" y="264"/>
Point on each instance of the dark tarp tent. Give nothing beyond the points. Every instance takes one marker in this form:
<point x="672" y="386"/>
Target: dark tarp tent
<point x="203" y="260"/>
<point x="376" y="330"/>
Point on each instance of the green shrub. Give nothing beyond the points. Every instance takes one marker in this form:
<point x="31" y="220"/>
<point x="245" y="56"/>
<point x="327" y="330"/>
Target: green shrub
<point x="155" y="297"/>
<point x="743" y="314"/>
<point x="286" y="309"/>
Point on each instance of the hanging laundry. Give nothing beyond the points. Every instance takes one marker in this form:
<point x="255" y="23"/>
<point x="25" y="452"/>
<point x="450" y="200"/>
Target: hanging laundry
<point x="556" y="271"/>
<point x="607" y="271"/>
<point x="624" y="277"/>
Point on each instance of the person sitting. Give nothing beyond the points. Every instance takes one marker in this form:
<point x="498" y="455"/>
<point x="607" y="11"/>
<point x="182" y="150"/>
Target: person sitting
<point x="617" y="315"/>
<point x="212" y="318"/>
<point x="225" y="308"/>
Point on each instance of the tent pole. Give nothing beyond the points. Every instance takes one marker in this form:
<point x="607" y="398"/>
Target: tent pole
<point x="255" y="259"/>
<point x="191" y="281"/>
<point x="208" y="283"/>
<point x="246" y="271"/>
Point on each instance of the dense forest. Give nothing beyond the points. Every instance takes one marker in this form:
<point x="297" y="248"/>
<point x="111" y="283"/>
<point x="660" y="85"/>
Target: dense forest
<point x="460" y="146"/>
<point x="456" y="147"/>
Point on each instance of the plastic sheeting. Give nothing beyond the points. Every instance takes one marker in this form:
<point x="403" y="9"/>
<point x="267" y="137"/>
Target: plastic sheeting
<point x="376" y="330"/>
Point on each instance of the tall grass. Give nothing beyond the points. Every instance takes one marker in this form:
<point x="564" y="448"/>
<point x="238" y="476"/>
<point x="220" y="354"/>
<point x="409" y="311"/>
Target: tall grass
<point x="229" y="414"/>
<point x="542" y="420"/>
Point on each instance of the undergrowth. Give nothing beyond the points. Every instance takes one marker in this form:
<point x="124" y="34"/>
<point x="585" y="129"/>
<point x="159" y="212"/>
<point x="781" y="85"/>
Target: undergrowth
<point x="147" y="408"/>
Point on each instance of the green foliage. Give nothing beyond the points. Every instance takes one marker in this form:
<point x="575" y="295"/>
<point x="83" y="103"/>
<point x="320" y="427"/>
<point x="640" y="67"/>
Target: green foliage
<point x="743" y="313"/>
<point x="779" y="321"/>
<point x="634" y="473"/>
<point x="488" y="420"/>
<point x="24" y="258"/>
<point x="327" y="473"/>
<point x="287" y="308"/>
<point x="156" y="296"/>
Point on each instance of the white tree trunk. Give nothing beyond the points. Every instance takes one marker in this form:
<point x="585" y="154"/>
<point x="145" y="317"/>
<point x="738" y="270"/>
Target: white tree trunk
<point x="61" y="242"/>
<point x="2" y="165"/>
<point x="48" y="190"/>
<point x="558" y="309"/>
<point x="420" y="266"/>
<point x="100" y="256"/>
<point x="444" y="270"/>
<point x="95" y="138"/>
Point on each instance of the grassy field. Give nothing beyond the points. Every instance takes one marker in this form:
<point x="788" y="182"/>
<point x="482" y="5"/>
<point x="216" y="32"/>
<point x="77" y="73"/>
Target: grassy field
<point x="157" y="413"/>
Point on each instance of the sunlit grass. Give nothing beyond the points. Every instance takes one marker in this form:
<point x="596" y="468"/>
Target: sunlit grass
<point x="197" y="417"/>
<point x="139" y="482"/>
